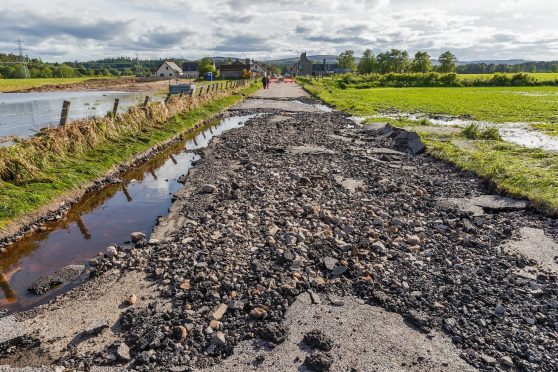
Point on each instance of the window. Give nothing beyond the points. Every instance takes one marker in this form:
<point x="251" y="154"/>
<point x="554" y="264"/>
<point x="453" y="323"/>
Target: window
<point x="167" y="67"/>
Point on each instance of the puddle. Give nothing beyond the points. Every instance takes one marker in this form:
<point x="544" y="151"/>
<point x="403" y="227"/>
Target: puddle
<point x="318" y="106"/>
<point x="100" y="219"/>
<point x="23" y="114"/>
<point x="519" y="133"/>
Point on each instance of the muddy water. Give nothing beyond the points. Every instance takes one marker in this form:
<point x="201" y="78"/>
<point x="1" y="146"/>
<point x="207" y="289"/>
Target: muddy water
<point x="101" y="218"/>
<point x="23" y="114"/>
<point x="518" y="133"/>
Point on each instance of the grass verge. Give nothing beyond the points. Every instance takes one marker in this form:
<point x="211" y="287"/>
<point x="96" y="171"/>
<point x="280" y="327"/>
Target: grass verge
<point x="517" y="171"/>
<point x="37" y="170"/>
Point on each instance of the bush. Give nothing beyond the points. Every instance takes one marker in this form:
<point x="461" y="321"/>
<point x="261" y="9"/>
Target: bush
<point x="433" y="79"/>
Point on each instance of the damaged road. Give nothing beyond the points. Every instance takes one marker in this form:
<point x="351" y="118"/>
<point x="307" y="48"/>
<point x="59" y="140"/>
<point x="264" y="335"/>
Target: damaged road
<point x="303" y="242"/>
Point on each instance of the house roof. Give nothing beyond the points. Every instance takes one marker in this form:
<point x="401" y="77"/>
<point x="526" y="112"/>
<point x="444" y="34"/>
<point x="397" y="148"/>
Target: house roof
<point x="172" y="65"/>
<point x="235" y="66"/>
<point x="190" y="66"/>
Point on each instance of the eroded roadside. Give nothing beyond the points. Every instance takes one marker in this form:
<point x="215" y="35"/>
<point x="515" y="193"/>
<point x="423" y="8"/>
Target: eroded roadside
<point x="300" y="215"/>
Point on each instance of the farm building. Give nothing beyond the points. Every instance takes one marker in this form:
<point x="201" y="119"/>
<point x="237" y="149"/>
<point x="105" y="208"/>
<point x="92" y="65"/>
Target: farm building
<point x="190" y="70"/>
<point x="258" y="69"/>
<point x="235" y="70"/>
<point x="169" y="69"/>
<point x="304" y="66"/>
<point x="321" y="69"/>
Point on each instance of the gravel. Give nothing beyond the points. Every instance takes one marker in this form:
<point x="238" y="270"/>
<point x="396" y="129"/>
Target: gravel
<point x="263" y="223"/>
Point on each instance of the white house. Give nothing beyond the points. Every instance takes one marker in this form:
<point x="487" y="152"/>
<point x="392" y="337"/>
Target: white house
<point x="169" y="69"/>
<point x="258" y="69"/>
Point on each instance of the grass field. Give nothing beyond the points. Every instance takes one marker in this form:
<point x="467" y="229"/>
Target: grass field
<point x="513" y="104"/>
<point x="7" y="85"/>
<point x="540" y="76"/>
<point x="515" y="170"/>
<point x="72" y="171"/>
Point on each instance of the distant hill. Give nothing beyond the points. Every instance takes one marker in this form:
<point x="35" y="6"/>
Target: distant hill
<point x="499" y="61"/>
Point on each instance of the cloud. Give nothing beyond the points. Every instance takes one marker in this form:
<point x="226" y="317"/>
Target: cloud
<point x="244" y="43"/>
<point x="273" y="28"/>
<point x="40" y="26"/>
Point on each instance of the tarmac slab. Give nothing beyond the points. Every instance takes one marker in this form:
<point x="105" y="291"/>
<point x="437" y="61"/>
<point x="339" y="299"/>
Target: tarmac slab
<point x="536" y="245"/>
<point x="365" y="338"/>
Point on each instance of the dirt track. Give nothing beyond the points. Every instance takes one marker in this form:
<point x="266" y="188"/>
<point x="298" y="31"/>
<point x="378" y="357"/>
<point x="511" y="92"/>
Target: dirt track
<point x="301" y="221"/>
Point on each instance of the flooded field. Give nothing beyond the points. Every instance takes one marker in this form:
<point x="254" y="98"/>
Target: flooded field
<point x="101" y="218"/>
<point x="521" y="134"/>
<point x="23" y="114"/>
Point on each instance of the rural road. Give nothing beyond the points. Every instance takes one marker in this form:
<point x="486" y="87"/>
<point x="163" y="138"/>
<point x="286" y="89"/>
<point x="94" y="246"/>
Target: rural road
<point x="302" y="241"/>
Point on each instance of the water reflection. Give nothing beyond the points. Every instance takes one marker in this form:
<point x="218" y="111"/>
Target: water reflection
<point x="101" y="218"/>
<point x="23" y="114"/>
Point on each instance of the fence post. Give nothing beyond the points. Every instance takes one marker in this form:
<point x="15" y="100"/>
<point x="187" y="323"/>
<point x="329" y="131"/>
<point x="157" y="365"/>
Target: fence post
<point x="192" y="92"/>
<point x="167" y="98"/>
<point x="115" y="107"/>
<point x="146" y="102"/>
<point x="64" y="113"/>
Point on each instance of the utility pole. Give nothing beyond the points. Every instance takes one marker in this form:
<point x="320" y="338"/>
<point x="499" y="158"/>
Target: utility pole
<point x="22" y="60"/>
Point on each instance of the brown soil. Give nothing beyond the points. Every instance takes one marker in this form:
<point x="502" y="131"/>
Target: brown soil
<point x="131" y="84"/>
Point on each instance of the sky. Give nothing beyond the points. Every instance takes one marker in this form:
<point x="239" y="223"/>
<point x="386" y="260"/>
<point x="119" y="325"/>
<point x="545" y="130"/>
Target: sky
<point x="62" y="30"/>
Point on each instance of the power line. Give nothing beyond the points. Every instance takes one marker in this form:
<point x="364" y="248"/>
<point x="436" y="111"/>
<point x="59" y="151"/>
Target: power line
<point x="22" y="60"/>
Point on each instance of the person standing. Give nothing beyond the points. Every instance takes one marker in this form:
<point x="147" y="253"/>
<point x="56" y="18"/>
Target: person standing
<point x="268" y="81"/>
<point x="264" y="82"/>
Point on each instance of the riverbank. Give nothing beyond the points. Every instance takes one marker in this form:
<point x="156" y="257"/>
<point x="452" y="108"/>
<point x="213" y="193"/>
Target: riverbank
<point x="42" y="176"/>
<point x="439" y="115"/>
<point x="296" y="238"/>
<point x="123" y="84"/>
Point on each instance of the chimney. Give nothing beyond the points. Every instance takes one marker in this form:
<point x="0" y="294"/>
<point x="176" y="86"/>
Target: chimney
<point x="247" y="62"/>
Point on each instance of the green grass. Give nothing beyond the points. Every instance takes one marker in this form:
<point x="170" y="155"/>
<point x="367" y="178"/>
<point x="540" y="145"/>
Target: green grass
<point x="498" y="105"/>
<point x="515" y="170"/>
<point x="73" y="171"/>
<point x="540" y="76"/>
<point x="7" y="85"/>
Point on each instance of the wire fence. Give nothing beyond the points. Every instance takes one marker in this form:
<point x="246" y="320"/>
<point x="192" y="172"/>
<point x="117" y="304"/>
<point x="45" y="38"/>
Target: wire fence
<point x="25" y="114"/>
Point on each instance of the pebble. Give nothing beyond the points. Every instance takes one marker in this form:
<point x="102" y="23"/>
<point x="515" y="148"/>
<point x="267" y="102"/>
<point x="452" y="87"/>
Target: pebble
<point x="137" y="237"/>
<point x="131" y="300"/>
<point x="413" y="240"/>
<point x="111" y="251"/>
<point x="180" y="332"/>
<point x="258" y="313"/>
<point x="209" y="189"/>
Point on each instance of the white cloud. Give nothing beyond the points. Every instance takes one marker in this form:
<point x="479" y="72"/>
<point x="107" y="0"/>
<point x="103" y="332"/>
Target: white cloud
<point x="474" y="29"/>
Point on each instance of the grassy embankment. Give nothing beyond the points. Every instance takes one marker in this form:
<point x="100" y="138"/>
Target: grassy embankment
<point x="517" y="171"/>
<point x="35" y="171"/>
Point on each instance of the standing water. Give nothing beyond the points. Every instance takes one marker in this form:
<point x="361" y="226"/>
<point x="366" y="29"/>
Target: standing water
<point x="100" y="219"/>
<point x="23" y="114"/>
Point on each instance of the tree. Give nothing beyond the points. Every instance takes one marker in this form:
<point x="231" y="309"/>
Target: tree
<point x="246" y="74"/>
<point x="393" y="61"/>
<point x="367" y="63"/>
<point x="206" y="65"/>
<point x="421" y="63"/>
<point x="347" y="60"/>
<point x="448" y="62"/>
<point x="127" y="72"/>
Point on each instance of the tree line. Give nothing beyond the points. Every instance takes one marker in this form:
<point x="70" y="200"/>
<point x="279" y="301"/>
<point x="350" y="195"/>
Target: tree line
<point x="12" y="68"/>
<point x="399" y="61"/>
